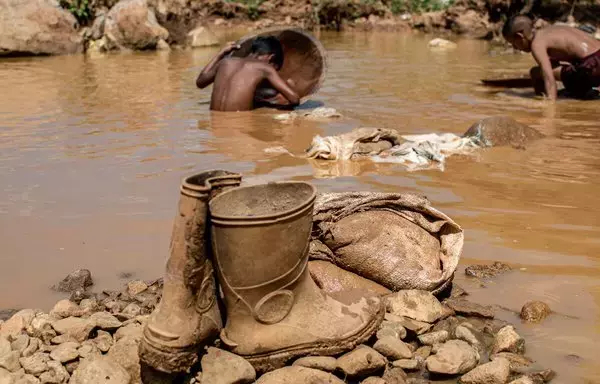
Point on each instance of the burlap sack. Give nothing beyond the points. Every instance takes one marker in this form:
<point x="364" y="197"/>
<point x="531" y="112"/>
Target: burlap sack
<point x="333" y="279"/>
<point x="396" y="240"/>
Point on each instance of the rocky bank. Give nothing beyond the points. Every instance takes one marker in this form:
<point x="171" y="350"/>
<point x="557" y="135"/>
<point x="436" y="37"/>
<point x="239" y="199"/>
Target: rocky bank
<point x="45" y="27"/>
<point x="94" y="338"/>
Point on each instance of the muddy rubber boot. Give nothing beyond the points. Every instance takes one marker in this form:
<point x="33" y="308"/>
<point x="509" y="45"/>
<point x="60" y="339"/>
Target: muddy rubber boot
<point x="275" y="311"/>
<point x="188" y="315"/>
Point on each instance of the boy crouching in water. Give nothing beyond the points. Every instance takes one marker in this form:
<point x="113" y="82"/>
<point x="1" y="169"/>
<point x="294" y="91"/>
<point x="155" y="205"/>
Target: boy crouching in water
<point x="563" y="54"/>
<point x="237" y="79"/>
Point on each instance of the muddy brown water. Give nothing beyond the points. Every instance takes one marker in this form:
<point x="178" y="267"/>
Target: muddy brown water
<point x="92" y="151"/>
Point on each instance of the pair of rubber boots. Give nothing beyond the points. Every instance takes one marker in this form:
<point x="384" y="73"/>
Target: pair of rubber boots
<point x="274" y="310"/>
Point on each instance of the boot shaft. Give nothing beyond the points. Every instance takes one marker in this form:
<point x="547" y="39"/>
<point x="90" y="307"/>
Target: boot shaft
<point x="260" y="237"/>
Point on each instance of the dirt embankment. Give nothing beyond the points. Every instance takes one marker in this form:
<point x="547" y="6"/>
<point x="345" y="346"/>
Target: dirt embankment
<point x="110" y="25"/>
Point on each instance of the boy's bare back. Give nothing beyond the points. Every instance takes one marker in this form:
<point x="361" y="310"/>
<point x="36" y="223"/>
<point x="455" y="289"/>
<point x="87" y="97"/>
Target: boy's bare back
<point x="235" y="83"/>
<point x="237" y="80"/>
<point x="565" y="44"/>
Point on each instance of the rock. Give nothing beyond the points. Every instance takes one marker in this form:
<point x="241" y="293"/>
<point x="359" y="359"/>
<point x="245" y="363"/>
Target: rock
<point x="88" y="306"/>
<point x="391" y="328"/>
<point x="105" y="321"/>
<point x="37" y="27"/>
<point x="508" y="340"/>
<point x="470" y="23"/>
<point x="130" y="330"/>
<point x="495" y="372"/>
<point x="77" y="328"/>
<point x="452" y="358"/>
<point x="87" y="349"/>
<point x="535" y="311"/>
<point x="131" y="24"/>
<point x="407" y="364"/>
<point x="457" y="291"/>
<point x="34" y="345"/>
<point x="100" y="370"/>
<point x="5" y="346"/>
<point x="5" y="377"/>
<point x="393" y="348"/>
<point x="135" y="287"/>
<point x="35" y="364"/>
<point x="72" y="366"/>
<point x="484" y="271"/>
<point x="433" y="337"/>
<point x="394" y="376"/>
<point x="362" y="361"/>
<point x="296" y="375"/>
<point x="373" y="380"/>
<point x="18" y="322"/>
<point x="19" y="344"/>
<point x="467" y="308"/>
<point x="125" y="352"/>
<point x="162" y="45"/>
<point x="323" y="363"/>
<point x="542" y="377"/>
<point x="10" y="360"/>
<point x="65" y="352"/>
<point x="415" y="304"/>
<point x="65" y="308"/>
<point x="463" y="332"/>
<point x="422" y="352"/>
<point x="60" y="339"/>
<point x="518" y="363"/>
<point x="448" y="324"/>
<point x="522" y="380"/>
<point x="501" y="131"/>
<point x="76" y="280"/>
<point x="132" y="310"/>
<point x="415" y="326"/>
<point x="222" y="367"/>
<point x="56" y="374"/>
<point x="201" y="37"/>
<point x="27" y="379"/>
<point x="103" y="341"/>
<point x="41" y="328"/>
<point x="97" y="29"/>
<point x="438" y="43"/>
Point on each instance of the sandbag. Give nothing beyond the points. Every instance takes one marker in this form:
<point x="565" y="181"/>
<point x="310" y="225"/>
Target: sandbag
<point x="333" y="279"/>
<point x="304" y="58"/>
<point x="396" y="240"/>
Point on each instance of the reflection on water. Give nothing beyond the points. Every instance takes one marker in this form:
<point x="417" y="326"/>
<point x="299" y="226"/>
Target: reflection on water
<point x="92" y="151"/>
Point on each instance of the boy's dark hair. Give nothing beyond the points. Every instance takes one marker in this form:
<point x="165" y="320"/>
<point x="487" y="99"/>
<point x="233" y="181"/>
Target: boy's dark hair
<point x="516" y="24"/>
<point x="266" y="46"/>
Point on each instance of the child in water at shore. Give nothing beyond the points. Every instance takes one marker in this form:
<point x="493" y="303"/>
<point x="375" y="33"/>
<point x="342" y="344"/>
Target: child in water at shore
<point x="563" y="54"/>
<point x="236" y="80"/>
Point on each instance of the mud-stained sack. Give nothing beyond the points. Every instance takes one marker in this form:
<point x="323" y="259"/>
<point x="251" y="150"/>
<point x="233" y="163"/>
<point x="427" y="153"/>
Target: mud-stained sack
<point x="396" y="240"/>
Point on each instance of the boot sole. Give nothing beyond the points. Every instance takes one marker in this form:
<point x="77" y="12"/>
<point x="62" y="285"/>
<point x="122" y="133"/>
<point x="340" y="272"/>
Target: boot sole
<point x="273" y="360"/>
<point x="167" y="361"/>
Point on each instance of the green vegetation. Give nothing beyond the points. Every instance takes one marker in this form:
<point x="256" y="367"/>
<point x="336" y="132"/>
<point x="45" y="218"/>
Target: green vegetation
<point x="418" y="6"/>
<point x="81" y="9"/>
<point x="252" y="5"/>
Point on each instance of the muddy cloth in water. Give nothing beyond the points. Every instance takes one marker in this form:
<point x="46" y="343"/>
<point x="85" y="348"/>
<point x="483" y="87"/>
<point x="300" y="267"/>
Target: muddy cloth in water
<point x="304" y="59"/>
<point x="398" y="241"/>
<point x="386" y="145"/>
<point x="420" y="151"/>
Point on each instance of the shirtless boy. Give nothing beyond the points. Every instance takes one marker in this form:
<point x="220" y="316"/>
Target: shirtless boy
<point x="563" y="54"/>
<point x="237" y="79"/>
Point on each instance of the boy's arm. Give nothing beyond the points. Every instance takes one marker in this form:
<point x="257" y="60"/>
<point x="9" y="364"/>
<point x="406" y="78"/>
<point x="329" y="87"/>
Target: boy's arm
<point x="207" y="76"/>
<point x="282" y="86"/>
<point x="540" y="54"/>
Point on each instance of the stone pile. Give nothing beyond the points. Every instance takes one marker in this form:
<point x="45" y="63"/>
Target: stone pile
<point x="94" y="339"/>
